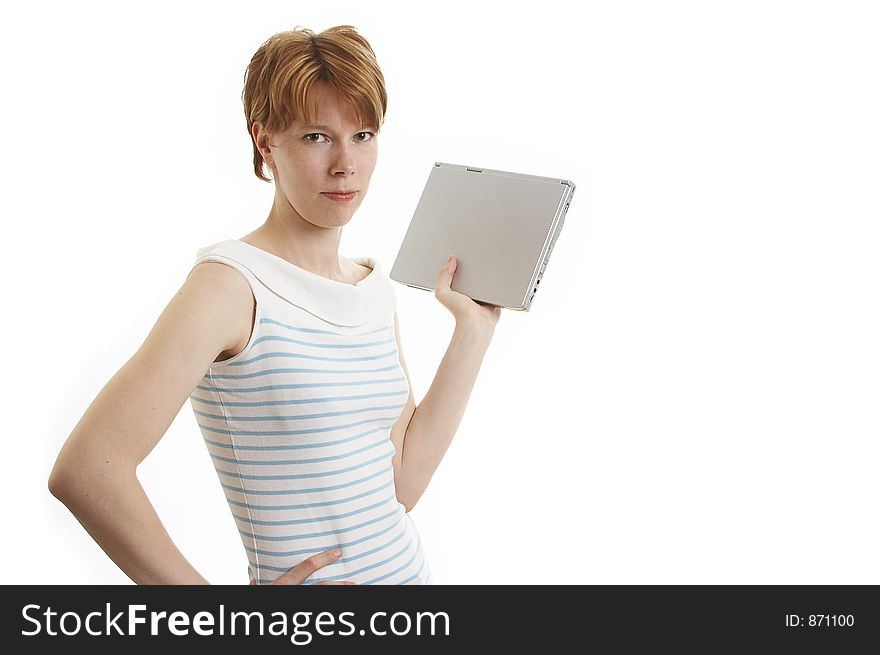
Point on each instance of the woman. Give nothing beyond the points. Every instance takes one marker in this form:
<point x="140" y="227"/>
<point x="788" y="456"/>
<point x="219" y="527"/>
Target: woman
<point x="290" y="356"/>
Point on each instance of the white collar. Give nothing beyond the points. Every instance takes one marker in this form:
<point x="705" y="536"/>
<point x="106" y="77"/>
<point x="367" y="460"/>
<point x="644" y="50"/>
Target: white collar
<point x="340" y="303"/>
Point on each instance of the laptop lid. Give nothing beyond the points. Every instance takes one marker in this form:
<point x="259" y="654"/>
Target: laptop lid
<point x="501" y="227"/>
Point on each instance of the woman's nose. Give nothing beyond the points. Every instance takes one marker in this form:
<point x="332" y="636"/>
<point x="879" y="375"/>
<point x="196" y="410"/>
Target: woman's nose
<point x="344" y="162"/>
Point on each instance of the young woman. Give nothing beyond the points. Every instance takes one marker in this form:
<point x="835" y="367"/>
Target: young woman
<point x="290" y="356"/>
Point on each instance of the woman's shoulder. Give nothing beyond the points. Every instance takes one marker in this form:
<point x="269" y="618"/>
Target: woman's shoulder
<point x="227" y="298"/>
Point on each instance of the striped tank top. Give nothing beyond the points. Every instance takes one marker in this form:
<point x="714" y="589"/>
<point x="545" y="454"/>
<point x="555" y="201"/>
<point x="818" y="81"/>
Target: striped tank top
<point x="298" y="424"/>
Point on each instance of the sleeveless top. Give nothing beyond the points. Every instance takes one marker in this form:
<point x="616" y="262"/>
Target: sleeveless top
<point x="298" y="424"/>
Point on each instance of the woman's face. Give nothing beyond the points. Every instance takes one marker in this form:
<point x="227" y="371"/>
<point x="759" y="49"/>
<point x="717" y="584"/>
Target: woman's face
<point x="333" y="154"/>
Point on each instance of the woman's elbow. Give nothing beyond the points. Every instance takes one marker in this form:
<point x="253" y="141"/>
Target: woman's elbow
<point x="60" y="483"/>
<point x="70" y="475"/>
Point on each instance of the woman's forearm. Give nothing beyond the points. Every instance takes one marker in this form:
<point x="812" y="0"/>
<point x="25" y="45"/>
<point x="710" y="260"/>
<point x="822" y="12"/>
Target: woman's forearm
<point x="436" y="419"/>
<point x="114" y="509"/>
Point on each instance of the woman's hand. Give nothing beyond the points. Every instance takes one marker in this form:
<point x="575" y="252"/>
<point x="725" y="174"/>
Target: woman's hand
<point x="304" y="569"/>
<point x="464" y="309"/>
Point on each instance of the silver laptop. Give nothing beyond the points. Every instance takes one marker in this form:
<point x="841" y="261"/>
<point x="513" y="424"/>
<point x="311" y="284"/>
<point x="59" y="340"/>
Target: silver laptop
<point x="501" y="227"/>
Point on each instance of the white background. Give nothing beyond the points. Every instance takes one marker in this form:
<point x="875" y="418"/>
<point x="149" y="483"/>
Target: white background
<point x="693" y="397"/>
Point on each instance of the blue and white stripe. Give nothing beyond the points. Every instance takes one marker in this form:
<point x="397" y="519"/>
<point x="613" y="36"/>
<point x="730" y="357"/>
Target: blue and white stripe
<point x="298" y="427"/>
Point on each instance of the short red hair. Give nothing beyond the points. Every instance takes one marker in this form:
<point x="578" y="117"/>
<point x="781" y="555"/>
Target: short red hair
<point x="283" y="71"/>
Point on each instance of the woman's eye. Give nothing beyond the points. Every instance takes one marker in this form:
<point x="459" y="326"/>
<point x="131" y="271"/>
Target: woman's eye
<point x="362" y="137"/>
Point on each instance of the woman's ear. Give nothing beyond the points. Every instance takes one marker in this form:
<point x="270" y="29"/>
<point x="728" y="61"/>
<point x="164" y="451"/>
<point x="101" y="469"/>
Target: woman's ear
<point x="261" y="139"/>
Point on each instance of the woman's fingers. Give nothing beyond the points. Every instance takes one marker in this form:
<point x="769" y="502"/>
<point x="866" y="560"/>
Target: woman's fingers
<point x="304" y="569"/>
<point x="444" y="278"/>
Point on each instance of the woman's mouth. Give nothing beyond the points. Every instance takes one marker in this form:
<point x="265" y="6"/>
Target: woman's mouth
<point x="339" y="197"/>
